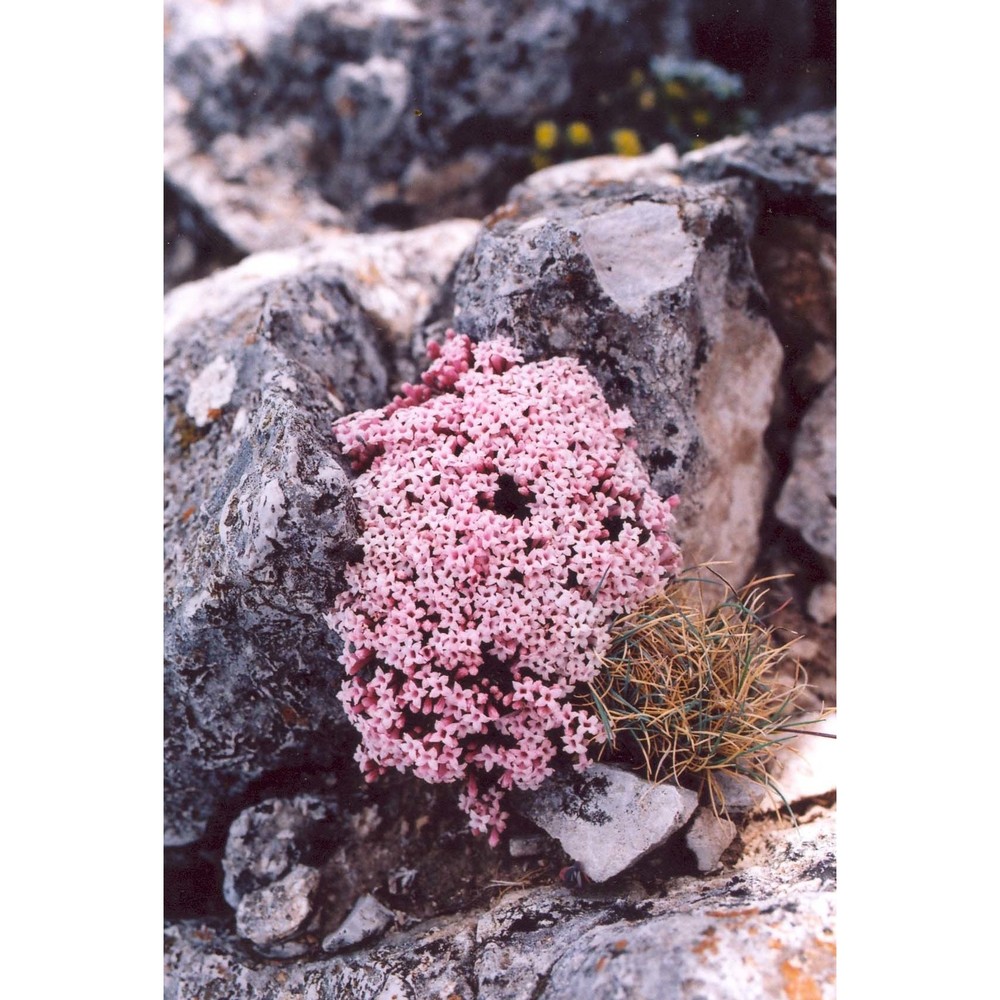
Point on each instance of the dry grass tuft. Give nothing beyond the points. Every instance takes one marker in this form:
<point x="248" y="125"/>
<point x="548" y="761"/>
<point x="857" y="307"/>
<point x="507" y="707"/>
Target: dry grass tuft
<point x="691" y="692"/>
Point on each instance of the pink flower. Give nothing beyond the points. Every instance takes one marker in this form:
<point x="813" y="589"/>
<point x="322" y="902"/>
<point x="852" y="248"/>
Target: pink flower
<point x="506" y="523"/>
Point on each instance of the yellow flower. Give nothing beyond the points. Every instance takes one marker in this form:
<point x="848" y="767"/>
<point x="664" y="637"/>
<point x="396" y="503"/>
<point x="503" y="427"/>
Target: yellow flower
<point x="626" y="142"/>
<point x="546" y="135"/>
<point x="647" y="99"/>
<point x="698" y="143"/>
<point x="700" y="117"/>
<point x="675" y="90"/>
<point x="579" y="134"/>
<point x="637" y="78"/>
<point x="539" y="161"/>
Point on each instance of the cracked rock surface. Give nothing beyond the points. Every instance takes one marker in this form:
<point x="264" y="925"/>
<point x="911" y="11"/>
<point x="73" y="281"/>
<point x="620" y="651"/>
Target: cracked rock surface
<point x="761" y="930"/>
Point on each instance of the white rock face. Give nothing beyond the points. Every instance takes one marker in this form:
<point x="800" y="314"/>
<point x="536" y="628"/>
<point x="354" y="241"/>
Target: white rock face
<point x="368" y="918"/>
<point x="279" y="910"/>
<point x="807" y="765"/>
<point x="708" y="837"/>
<point x="606" y="818"/>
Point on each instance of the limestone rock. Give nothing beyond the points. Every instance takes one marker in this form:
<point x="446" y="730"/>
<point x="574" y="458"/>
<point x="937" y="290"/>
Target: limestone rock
<point x="708" y="837"/>
<point x="764" y="929"/>
<point x="793" y="165"/>
<point x="279" y="911"/>
<point x="267" y="840"/>
<point x="258" y="517"/>
<point x="606" y="818"/>
<point x="808" y="500"/>
<point x="655" y="293"/>
<point x="367" y="919"/>
<point x="806" y="766"/>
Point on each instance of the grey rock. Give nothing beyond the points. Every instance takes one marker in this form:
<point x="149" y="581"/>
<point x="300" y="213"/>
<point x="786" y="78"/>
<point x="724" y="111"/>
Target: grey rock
<point x="808" y="499"/>
<point x="280" y="910"/>
<point x="605" y="818"/>
<point x="763" y="929"/>
<point x="366" y="91"/>
<point x="793" y="165"/>
<point x="258" y="522"/>
<point x="741" y="795"/>
<point x="708" y="836"/>
<point x="267" y="840"/>
<point x="654" y="291"/>
<point x="367" y="919"/>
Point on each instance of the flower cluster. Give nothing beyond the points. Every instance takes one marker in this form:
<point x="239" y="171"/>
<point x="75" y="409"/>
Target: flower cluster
<point x="506" y="521"/>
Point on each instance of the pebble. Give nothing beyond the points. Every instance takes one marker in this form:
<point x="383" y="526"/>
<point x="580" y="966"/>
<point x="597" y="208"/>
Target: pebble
<point x="366" y="920"/>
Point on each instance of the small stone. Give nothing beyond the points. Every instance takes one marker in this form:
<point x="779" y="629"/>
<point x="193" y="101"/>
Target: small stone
<point x="280" y="910"/>
<point x="708" y="837"/>
<point x="366" y="920"/>
<point x="605" y="818"/>
<point x="528" y="847"/>
<point x="822" y="604"/>
<point x="741" y="795"/>
<point x="267" y="840"/>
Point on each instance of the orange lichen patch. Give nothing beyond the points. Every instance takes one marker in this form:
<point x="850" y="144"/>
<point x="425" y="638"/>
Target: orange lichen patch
<point x="214" y="413"/>
<point x="619" y="946"/>
<point x="187" y="514"/>
<point x="799" y="985"/>
<point x="709" y="944"/>
<point x="750" y="911"/>
<point x="203" y="934"/>
<point x="281" y="977"/>
<point x="601" y="963"/>
<point x="827" y="945"/>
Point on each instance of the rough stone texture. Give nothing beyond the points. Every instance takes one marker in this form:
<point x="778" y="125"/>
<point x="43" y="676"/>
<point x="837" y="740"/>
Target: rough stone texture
<point x="606" y="818"/>
<point x="765" y="929"/>
<point x="654" y="291"/>
<point x="285" y="119"/>
<point x="708" y="837"/>
<point x="267" y="840"/>
<point x="279" y="911"/>
<point x="398" y="112"/>
<point x="808" y="500"/>
<point x="367" y="919"/>
<point x="258" y="516"/>
<point x="793" y="165"/>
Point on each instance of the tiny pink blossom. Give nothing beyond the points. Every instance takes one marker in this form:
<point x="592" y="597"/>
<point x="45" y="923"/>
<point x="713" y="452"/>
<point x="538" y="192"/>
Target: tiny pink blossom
<point x="506" y="522"/>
